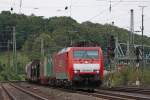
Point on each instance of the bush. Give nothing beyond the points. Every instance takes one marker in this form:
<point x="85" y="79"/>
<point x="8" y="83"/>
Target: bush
<point x="128" y="76"/>
<point x="146" y="76"/>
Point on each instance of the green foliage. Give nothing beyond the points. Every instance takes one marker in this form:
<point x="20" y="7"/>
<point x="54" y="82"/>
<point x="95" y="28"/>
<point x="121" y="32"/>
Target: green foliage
<point x="57" y="33"/>
<point x="128" y="76"/>
<point x="146" y="76"/>
<point x="61" y="30"/>
<point x="123" y="77"/>
<point x="7" y="71"/>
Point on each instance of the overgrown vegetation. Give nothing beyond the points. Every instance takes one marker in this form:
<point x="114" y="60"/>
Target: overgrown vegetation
<point x="7" y="70"/>
<point x="56" y="33"/>
<point x="128" y="77"/>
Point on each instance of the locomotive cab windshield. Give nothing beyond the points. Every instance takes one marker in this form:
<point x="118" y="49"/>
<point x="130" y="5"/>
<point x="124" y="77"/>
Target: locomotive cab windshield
<point x="86" y="54"/>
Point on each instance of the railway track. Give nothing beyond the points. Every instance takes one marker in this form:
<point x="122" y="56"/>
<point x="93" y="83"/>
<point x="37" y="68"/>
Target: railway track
<point x="130" y="89"/>
<point x="95" y="94"/>
<point x="110" y="95"/>
<point x="17" y="93"/>
<point x="104" y="94"/>
<point x="12" y="81"/>
<point x="83" y="92"/>
<point x="124" y="95"/>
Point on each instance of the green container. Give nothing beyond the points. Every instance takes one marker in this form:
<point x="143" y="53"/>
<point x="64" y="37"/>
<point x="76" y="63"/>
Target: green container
<point x="47" y="66"/>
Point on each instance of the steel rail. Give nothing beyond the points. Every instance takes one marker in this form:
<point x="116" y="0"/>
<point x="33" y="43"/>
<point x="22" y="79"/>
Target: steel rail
<point x="12" y="97"/>
<point x="12" y="81"/>
<point x="130" y="89"/>
<point x="94" y="94"/>
<point x="106" y="94"/>
<point x="28" y="92"/>
<point x="124" y="94"/>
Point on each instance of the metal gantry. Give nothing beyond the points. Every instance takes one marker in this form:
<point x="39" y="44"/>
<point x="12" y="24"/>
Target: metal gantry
<point x="128" y="55"/>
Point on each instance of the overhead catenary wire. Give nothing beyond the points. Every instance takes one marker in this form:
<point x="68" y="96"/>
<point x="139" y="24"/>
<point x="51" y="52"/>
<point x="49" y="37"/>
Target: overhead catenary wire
<point x="74" y="4"/>
<point x="70" y="8"/>
<point x="114" y="5"/>
<point x="103" y="11"/>
<point x="11" y="7"/>
<point x="12" y="3"/>
<point x="82" y="5"/>
<point x="20" y="6"/>
<point x="130" y="0"/>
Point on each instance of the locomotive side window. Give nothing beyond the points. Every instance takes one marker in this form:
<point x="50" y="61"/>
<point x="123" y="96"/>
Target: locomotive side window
<point x="87" y="54"/>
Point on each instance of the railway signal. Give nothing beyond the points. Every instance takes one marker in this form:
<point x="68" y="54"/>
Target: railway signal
<point x="137" y="53"/>
<point x="112" y="42"/>
<point x="110" y="56"/>
<point x="111" y="47"/>
<point x="66" y="7"/>
<point x="11" y="9"/>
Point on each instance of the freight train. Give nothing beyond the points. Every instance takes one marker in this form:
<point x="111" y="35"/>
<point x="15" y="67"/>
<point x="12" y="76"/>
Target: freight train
<point x="78" y="67"/>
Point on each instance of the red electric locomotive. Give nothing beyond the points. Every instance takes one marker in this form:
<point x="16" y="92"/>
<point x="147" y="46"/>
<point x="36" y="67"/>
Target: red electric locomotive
<point x="79" y="67"/>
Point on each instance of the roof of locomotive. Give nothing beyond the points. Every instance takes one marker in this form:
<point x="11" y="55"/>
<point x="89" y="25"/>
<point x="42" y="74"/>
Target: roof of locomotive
<point x="69" y="48"/>
<point x="64" y="50"/>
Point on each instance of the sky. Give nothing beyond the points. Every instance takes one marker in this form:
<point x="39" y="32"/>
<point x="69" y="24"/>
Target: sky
<point x="96" y="11"/>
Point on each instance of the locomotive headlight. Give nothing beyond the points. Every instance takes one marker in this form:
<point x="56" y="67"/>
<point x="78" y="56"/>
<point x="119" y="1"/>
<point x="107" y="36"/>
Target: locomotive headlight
<point x="97" y="71"/>
<point x="76" y="71"/>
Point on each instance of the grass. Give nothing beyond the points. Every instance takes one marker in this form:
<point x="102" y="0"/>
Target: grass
<point x="7" y="71"/>
<point x="128" y="77"/>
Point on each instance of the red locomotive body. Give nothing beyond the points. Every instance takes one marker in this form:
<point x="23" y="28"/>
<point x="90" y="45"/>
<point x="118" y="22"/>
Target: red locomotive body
<point x="80" y="66"/>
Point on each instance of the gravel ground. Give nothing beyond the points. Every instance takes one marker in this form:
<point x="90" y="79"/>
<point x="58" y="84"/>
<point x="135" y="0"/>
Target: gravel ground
<point x="19" y="95"/>
<point x="3" y="95"/>
<point x="55" y="94"/>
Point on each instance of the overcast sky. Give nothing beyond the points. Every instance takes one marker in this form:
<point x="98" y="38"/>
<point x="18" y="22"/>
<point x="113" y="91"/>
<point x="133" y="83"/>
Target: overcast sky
<point x="96" y="11"/>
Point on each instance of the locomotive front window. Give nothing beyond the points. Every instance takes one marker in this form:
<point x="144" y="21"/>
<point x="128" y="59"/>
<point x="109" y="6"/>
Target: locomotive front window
<point x="87" y="54"/>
